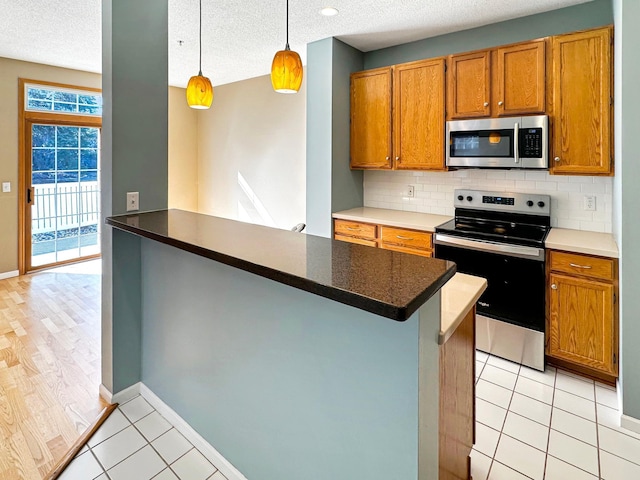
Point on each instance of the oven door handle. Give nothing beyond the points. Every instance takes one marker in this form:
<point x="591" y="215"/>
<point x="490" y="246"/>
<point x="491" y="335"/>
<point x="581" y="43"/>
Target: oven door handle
<point x="513" y="250"/>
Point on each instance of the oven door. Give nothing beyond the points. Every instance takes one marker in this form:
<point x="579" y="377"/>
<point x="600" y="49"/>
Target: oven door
<point x="515" y="278"/>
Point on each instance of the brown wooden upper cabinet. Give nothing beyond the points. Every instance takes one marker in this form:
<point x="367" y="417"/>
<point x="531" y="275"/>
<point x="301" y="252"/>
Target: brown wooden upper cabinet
<point x="520" y="79"/>
<point x="505" y="81"/>
<point x="371" y="119"/>
<point x="397" y="117"/>
<point x="470" y="85"/>
<point x="418" y="115"/>
<point x="582" y="103"/>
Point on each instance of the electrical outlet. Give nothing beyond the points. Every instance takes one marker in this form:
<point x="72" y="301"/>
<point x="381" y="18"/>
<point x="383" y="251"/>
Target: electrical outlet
<point x="589" y="202"/>
<point x="132" y="201"/>
<point x="411" y="191"/>
<point x="6" y="187"/>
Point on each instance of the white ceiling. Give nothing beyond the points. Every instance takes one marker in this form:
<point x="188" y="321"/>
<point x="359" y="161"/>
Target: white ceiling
<point x="240" y="37"/>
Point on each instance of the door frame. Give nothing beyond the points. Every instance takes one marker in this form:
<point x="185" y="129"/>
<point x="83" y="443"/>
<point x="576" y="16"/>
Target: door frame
<point x="25" y="121"/>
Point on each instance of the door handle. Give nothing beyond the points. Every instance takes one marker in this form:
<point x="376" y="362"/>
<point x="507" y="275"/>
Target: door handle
<point x="29" y="196"/>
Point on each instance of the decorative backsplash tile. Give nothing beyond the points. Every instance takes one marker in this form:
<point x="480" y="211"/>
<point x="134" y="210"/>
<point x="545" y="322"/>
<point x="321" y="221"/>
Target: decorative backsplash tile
<point x="434" y="193"/>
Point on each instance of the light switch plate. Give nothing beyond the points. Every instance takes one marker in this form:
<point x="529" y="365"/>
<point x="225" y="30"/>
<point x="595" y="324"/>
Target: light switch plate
<point x="133" y="201"/>
<point x="6" y="187"/>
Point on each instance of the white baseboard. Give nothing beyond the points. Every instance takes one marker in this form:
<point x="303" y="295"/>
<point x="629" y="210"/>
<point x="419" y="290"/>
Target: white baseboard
<point x="226" y="468"/>
<point x="4" y="275"/>
<point x="105" y="394"/>
<point x="127" y="394"/>
<point x="630" y="423"/>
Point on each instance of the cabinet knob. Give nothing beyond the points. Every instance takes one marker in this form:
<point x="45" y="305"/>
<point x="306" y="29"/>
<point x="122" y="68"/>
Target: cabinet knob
<point x="554" y="286"/>
<point x="397" y="158"/>
<point x="557" y="159"/>
<point x="500" y="103"/>
<point x="388" y="158"/>
<point x="486" y="104"/>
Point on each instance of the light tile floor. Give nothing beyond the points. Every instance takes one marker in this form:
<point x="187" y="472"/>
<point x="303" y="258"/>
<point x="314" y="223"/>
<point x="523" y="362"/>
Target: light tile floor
<point x="137" y="443"/>
<point x="530" y="425"/>
<point x="552" y="425"/>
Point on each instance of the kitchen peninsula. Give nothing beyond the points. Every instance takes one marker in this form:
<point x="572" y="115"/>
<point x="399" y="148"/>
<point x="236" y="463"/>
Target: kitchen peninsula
<point x="337" y="377"/>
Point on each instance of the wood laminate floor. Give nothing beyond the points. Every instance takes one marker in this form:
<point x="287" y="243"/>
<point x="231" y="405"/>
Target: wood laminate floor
<point x="49" y="366"/>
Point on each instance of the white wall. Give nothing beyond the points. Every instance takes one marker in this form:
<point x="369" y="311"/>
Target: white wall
<point x="183" y="152"/>
<point x="434" y="193"/>
<point x="251" y="154"/>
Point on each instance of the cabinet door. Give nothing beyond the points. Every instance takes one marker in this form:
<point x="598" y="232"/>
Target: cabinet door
<point x="418" y="115"/>
<point x="469" y="85"/>
<point x="520" y="79"/>
<point x="581" y="121"/>
<point x="371" y="119"/>
<point x="581" y="322"/>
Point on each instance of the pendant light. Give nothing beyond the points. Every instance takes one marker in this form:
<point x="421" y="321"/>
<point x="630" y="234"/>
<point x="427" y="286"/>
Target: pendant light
<point x="199" y="89"/>
<point x="286" y="69"/>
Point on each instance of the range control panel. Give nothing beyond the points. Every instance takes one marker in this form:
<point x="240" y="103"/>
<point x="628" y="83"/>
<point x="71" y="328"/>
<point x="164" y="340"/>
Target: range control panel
<point x="498" y="200"/>
<point x="530" y="203"/>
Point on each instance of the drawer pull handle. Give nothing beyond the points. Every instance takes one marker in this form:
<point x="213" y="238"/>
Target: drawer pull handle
<point x="403" y="238"/>
<point x="554" y="286"/>
<point x="354" y="229"/>
<point x="579" y="266"/>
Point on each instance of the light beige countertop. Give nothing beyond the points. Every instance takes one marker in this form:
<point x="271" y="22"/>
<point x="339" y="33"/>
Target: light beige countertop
<point x="579" y="241"/>
<point x="425" y="222"/>
<point x="459" y="295"/>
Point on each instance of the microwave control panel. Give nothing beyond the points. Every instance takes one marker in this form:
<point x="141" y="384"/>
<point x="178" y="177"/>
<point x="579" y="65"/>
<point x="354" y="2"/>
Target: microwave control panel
<point x="530" y="143"/>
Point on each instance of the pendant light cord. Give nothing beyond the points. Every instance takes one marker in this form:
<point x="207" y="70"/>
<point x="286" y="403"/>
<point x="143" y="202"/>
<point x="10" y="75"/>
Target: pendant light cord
<point x="200" y="64"/>
<point x="287" y="46"/>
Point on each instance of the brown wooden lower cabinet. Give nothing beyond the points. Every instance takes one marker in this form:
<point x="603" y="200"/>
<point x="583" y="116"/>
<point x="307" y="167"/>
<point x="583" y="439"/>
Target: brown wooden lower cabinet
<point x="583" y="314"/>
<point x="457" y="401"/>
<point x="385" y="237"/>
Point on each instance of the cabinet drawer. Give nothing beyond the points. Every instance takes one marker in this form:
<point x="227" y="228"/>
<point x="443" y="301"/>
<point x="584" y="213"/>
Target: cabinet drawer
<point x="398" y="248"/>
<point x="406" y="238"/>
<point x="355" y="229"/>
<point x="359" y="241"/>
<point x="595" y="267"/>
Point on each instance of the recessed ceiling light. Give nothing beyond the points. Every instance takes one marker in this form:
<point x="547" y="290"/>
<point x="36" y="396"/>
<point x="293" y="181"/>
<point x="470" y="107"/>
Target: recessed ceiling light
<point x="329" y="11"/>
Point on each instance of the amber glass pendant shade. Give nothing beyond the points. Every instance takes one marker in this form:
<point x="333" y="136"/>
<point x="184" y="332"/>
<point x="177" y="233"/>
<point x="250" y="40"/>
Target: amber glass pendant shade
<point x="286" y="71"/>
<point x="199" y="92"/>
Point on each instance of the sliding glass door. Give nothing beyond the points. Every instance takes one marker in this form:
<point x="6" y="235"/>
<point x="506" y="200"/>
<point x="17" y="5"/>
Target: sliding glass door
<point x="64" y="193"/>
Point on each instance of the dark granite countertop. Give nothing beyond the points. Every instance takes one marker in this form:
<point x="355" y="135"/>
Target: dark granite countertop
<point x="387" y="283"/>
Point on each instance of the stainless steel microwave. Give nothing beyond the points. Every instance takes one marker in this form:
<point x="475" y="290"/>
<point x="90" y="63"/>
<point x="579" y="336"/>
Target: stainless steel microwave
<point x="508" y="142"/>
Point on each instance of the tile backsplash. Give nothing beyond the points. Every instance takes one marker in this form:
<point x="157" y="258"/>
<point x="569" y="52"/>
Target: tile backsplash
<point x="434" y="193"/>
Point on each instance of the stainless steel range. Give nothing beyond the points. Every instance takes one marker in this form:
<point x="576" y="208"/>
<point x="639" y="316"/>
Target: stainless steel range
<point x="500" y="236"/>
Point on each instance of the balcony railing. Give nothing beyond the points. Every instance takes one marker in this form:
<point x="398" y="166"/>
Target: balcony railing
<point x="64" y="206"/>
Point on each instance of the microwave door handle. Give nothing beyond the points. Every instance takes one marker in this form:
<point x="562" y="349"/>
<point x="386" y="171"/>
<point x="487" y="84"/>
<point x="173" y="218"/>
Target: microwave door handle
<point x="516" y="135"/>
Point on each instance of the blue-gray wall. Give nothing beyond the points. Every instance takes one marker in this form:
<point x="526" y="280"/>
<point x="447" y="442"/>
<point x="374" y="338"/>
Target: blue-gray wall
<point x="331" y="185"/>
<point x="626" y="218"/>
<point x="134" y="159"/>
<point x="283" y="383"/>
<point x="579" y="17"/>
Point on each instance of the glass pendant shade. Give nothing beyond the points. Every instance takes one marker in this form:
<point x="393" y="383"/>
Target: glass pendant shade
<point x="286" y="71"/>
<point x="199" y="92"/>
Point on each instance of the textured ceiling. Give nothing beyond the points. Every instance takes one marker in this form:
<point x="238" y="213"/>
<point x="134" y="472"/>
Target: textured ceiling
<point x="240" y="37"/>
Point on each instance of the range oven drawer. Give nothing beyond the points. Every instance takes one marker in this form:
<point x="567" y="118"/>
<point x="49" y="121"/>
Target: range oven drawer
<point x="515" y="285"/>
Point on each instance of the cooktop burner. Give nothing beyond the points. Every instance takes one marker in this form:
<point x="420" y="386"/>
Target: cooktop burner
<point x="514" y="218"/>
<point x="519" y="234"/>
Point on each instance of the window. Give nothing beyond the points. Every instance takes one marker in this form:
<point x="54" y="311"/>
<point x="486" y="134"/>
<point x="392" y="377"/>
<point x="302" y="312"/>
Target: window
<point x="41" y="98"/>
